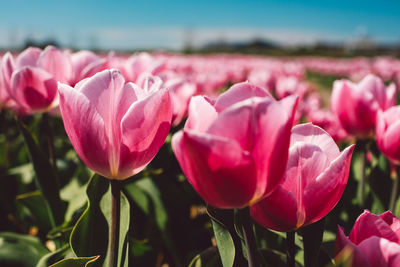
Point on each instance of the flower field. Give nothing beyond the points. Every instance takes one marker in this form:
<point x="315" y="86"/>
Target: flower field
<point x="164" y="159"/>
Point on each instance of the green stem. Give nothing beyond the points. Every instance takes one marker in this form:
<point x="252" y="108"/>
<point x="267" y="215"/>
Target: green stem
<point x="290" y="249"/>
<point x="312" y="241"/>
<point x="49" y="144"/>
<point x="249" y="239"/>
<point x="395" y="189"/>
<point x="113" y="241"/>
<point x="362" y="183"/>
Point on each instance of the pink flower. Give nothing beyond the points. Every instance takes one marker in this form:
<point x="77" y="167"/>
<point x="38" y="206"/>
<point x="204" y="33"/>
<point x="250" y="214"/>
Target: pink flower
<point x="85" y="64"/>
<point x="329" y="122"/>
<point x="388" y="133"/>
<point x="234" y="151"/>
<point x="316" y="176"/>
<point x="181" y="91"/>
<point x="356" y="105"/>
<point x="115" y="127"/>
<point x="31" y="78"/>
<point x="373" y="241"/>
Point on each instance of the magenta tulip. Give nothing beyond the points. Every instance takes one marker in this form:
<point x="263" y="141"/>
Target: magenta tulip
<point x="316" y="176"/>
<point x="115" y="127"/>
<point x="388" y="133"/>
<point x="374" y="241"/>
<point x="234" y="151"/>
<point x="356" y="105"/>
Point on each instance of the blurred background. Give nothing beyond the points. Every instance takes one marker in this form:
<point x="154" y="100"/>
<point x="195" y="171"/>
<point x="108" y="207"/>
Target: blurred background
<point x="337" y="28"/>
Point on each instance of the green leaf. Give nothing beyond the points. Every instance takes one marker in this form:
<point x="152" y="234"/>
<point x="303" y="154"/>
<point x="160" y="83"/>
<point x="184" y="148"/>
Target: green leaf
<point x="53" y="257"/>
<point x="140" y="248"/>
<point x="77" y="262"/>
<point x="226" y="247"/>
<point x="397" y="208"/>
<point x="377" y="206"/>
<point x="105" y="206"/>
<point x="74" y="194"/>
<point x="146" y="195"/>
<point x="141" y="192"/>
<point x="35" y="202"/>
<point x="298" y="241"/>
<point x="90" y="234"/>
<point x="45" y="176"/>
<point x="18" y="249"/>
<point x="207" y="258"/>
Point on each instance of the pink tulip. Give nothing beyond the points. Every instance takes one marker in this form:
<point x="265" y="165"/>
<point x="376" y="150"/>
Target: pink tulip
<point x="33" y="88"/>
<point x="374" y="241"/>
<point x="181" y="91"/>
<point x="316" y="176"/>
<point x="85" y="64"/>
<point x="388" y="133"/>
<point x="329" y="122"/>
<point x="115" y="127"/>
<point x="57" y="63"/>
<point x="141" y="65"/>
<point x="31" y="78"/>
<point x="356" y="105"/>
<point x="234" y="151"/>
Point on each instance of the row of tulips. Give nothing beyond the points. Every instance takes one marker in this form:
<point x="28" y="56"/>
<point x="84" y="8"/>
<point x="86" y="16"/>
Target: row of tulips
<point x="243" y="151"/>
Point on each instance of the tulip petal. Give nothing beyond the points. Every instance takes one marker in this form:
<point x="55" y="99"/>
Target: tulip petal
<point x="7" y="68"/>
<point x="272" y="139"/>
<point x="278" y="211"/>
<point x="313" y="134"/>
<point x="391" y="220"/>
<point x="237" y="93"/>
<point x="85" y="64"/>
<point x="85" y="128"/>
<point x="389" y="142"/>
<point x="344" y="245"/>
<point x="144" y="128"/>
<point x="55" y="62"/>
<point x="368" y="225"/>
<point x="328" y="187"/>
<point x="355" y="109"/>
<point x="220" y="171"/>
<point x="376" y="87"/>
<point x="201" y="114"/>
<point x="33" y="88"/>
<point x="102" y="90"/>
<point x="381" y="252"/>
<point x="390" y="96"/>
<point x="226" y="125"/>
<point x="28" y="57"/>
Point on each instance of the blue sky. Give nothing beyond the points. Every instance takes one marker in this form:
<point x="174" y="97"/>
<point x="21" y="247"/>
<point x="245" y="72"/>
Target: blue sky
<point x="167" y="24"/>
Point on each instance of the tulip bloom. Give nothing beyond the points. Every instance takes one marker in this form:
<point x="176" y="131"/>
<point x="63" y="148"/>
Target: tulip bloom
<point x="373" y="241"/>
<point x="316" y="176"/>
<point x="85" y="64"/>
<point x="234" y="151"/>
<point x="115" y="127"/>
<point x="31" y="78"/>
<point x="356" y="105"/>
<point x="181" y="91"/>
<point x="388" y="133"/>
